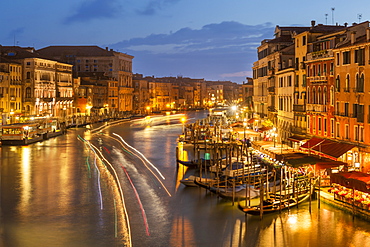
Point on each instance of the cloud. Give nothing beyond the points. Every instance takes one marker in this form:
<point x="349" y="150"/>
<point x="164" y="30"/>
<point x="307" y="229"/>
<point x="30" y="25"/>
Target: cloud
<point x="153" y="6"/>
<point x="223" y="51"/>
<point x="237" y="74"/>
<point x="94" y="9"/>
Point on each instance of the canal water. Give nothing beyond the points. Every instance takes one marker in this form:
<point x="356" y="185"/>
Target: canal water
<point x="59" y="193"/>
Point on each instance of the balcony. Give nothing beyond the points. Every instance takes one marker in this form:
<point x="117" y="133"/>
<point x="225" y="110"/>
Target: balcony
<point x="316" y="108"/>
<point x="271" y="109"/>
<point x="271" y="89"/>
<point x="319" y="54"/>
<point x="299" y="108"/>
<point x="318" y="79"/>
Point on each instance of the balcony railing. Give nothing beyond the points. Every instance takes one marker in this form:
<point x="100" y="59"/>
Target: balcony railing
<point x="319" y="54"/>
<point x="316" y="108"/>
<point x="299" y="108"/>
<point x="271" y="109"/>
<point x="271" y="89"/>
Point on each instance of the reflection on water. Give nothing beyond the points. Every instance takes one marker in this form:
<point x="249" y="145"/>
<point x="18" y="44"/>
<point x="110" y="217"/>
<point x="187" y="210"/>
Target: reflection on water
<point x="25" y="176"/>
<point x="53" y="195"/>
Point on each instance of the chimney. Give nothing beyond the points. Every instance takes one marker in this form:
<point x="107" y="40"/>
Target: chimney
<point x="368" y="34"/>
<point x="106" y="48"/>
<point x="313" y="23"/>
<point x="353" y="37"/>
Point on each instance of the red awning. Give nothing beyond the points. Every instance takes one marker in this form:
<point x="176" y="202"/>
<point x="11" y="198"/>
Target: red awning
<point x="264" y="128"/>
<point x="332" y="149"/>
<point x="357" y="180"/>
<point x="295" y="138"/>
<point x="251" y="120"/>
<point x="329" y="164"/>
<point x="311" y="143"/>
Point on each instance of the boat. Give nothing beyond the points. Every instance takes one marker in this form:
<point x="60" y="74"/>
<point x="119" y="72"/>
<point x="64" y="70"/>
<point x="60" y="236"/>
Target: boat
<point x="30" y="132"/>
<point x="21" y="134"/>
<point x="188" y="163"/>
<point x="278" y="201"/>
<point x="244" y="191"/>
<point x="190" y="181"/>
<point x="208" y="183"/>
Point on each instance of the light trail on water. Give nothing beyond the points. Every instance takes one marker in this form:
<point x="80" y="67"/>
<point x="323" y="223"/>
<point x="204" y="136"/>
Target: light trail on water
<point x="167" y="191"/>
<point x="139" y="201"/>
<point x="101" y="158"/>
<point x="142" y="155"/>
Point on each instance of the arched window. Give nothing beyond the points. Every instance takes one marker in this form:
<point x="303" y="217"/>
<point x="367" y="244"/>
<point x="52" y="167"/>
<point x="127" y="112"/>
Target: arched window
<point x="332" y="96"/>
<point x="346" y="89"/>
<point x="360" y="84"/>
<point x="325" y="96"/>
<point x="28" y="92"/>
<point x="337" y="84"/>
<point x="308" y="95"/>
<point x="313" y="99"/>
<point x="319" y="97"/>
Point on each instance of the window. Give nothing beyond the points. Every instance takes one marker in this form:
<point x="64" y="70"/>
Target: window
<point x="304" y="80"/>
<point x="289" y="81"/>
<point x="360" y="56"/>
<point x="332" y="96"/>
<point x="360" y="113"/>
<point x="304" y="40"/>
<point x="346" y="88"/>
<point x="338" y="60"/>
<point x="332" y="127"/>
<point x="346" y="57"/>
<point x="346" y="133"/>
<point x="361" y="134"/>
<point x="360" y="83"/>
<point x="354" y="110"/>
<point x="319" y="96"/>
<point x="337" y="84"/>
<point x="356" y="133"/>
<point x="346" y="109"/>
<point x="331" y="68"/>
<point x="28" y="92"/>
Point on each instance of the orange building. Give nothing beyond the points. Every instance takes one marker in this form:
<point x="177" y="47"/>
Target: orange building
<point x="352" y="98"/>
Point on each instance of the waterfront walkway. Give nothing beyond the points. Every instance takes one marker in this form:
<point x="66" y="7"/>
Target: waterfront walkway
<point x="328" y="198"/>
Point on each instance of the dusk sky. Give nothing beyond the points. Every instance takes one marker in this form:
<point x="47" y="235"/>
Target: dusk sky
<point x="210" y="39"/>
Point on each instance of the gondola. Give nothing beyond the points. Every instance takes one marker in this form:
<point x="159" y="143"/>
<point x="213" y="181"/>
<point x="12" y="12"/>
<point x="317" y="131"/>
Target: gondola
<point x="278" y="202"/>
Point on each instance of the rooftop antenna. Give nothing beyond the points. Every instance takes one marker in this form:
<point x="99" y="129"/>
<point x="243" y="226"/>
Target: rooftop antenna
<point x="332" y="15"/>
<point x="359" y="16"/>
<point x="326" y="19"/>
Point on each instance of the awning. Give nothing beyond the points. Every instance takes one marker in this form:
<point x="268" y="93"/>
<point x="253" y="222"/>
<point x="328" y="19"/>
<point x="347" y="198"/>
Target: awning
<point x="329" y="164"/>
<point x="295" y="138"/>
<point x="300" y="159"/>
<point x="332" y="149"/>
<point x="251" y="120"/>
<point x="264" y="128"/>
<point x="311" y="143"/>
<point x="357" y="180"/>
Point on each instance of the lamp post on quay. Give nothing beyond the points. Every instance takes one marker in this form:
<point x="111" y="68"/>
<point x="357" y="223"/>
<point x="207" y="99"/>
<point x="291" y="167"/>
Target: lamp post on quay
<point x="183" y="120"/>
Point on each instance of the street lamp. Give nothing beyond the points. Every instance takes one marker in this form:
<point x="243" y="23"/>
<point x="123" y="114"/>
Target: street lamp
<point x="183" y="120"/>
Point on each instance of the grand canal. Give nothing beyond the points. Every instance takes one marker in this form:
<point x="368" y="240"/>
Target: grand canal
<point x="59" y="193"/>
